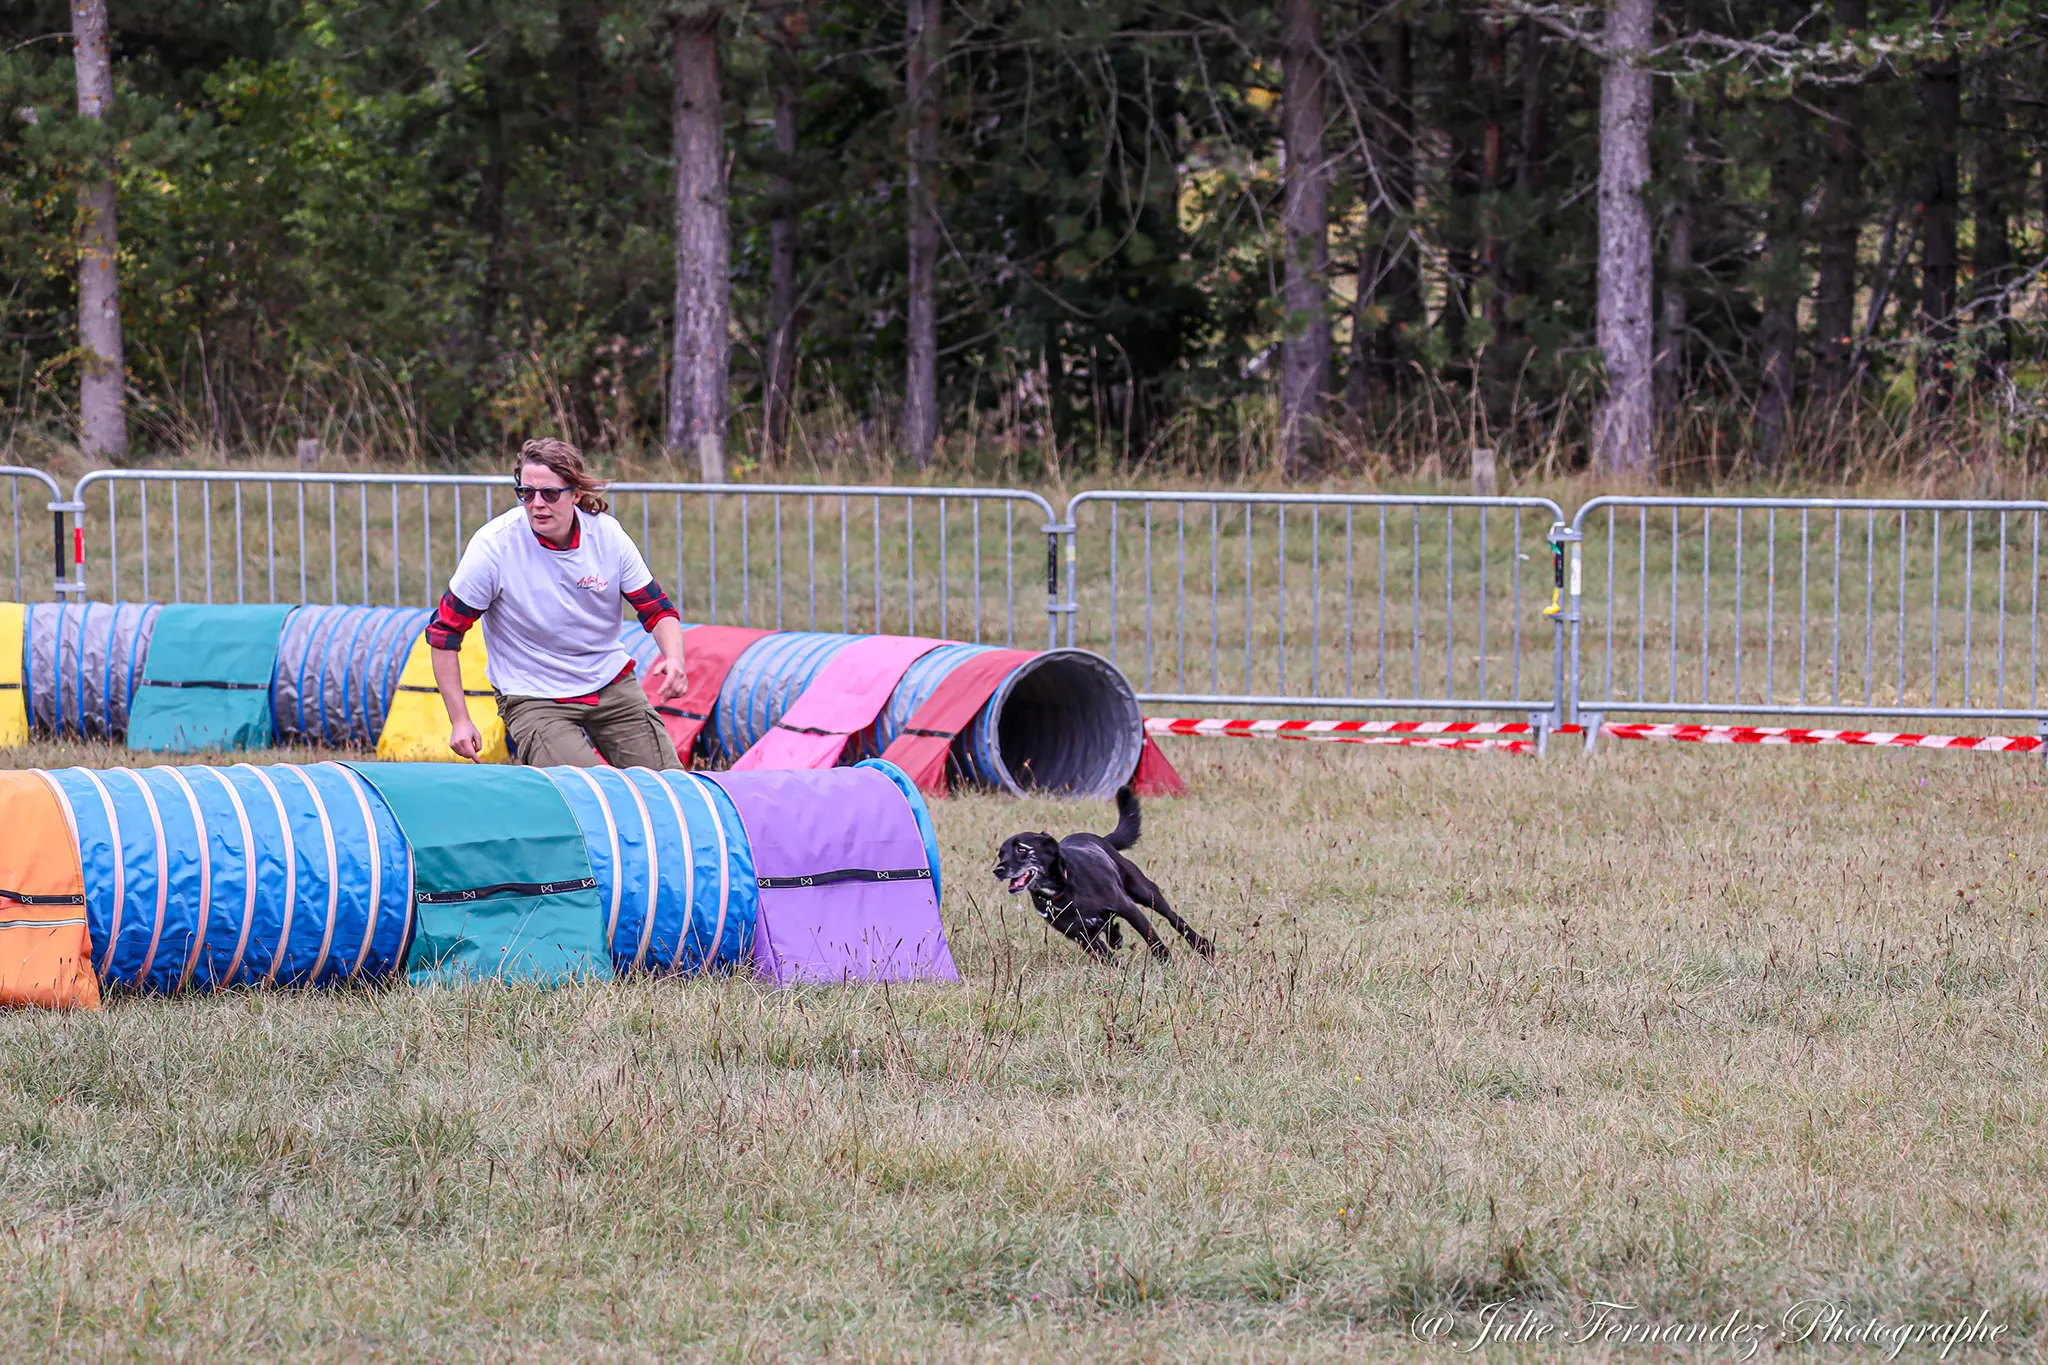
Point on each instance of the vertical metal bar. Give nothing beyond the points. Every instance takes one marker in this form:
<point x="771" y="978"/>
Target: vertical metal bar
<point x="1673" y="671"/>
<point x="711" y="552"/>
<point x="845" y="572"/>
<point x="142" y="495"/>
<point x="682" y="580"/>
<point x="240" y="596"/>
<point x="1517" y="617"/>
<point x="113" y="542"/>
<point x="747" y="568"/>
<point x="302" y="541"/>
<point x="1901" y="699"/>
<point x="1148" y="596"/>
<point x="875" y="528"/>
<point x="942" y="568"/>
<point x="1010" y="575"/>
<point x="909" y="567"/>
<point x="1247" y="595"/>
<point x="975" y="505"/>
<point x="1280" y="606"/>
<point x="1771" y="606"/>
<point x="778" y="561"/>
<point x="397" y="591"/>
<point x="1482" y="604"/>
<point x="206" y="536"/>
<point x="1835" y="612"/>
<point x="1642" y="601"/>
<point x="177" y="549"/>
<point x="2034" y="620"/>
<point x="1934" y="622"/>
<point x="1969" y="606"/>
<point x="1869" y="601"/>
<point x="1180" y="595"/>
<point x="2001" y="609"/>
<point x="1315" y="599"/>
<point x="334" y="545"/>
<point x="1804" y="538"/>
<point x="363" y="533"/>
<point x="1415" y="598"/>
<point x="1738" y="606"/>
<point x="1450" y="617"/>
<point x="1112" y="583"/>
<point x="1350" y="596"/>
<point x="1383" y="602"/>
<point x="811" y="556"/>
<point x="426" y="541"/>
<point x="1215" y="595"/>
<point x="1706" y="596"/>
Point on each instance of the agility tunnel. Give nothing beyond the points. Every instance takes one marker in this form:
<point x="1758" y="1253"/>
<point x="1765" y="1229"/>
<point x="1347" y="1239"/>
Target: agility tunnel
<point x="1013" y="720"/>
<point x="175" y="879"/>
<point x="191" y="677"/>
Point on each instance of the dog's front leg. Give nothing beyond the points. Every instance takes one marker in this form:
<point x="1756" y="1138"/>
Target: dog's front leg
<point x="1136" y="918"/>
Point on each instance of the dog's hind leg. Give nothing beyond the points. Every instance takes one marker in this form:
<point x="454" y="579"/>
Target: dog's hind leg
<point x="1146" y="892"/>
<point x="1136" y="918"/>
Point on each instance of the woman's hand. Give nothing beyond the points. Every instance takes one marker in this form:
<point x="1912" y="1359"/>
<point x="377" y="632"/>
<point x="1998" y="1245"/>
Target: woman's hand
<point x="464" y="739"/>
<point x="669" y="679"/>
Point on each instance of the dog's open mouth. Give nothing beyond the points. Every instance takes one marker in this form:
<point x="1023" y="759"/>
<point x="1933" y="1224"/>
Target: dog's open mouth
<point x="1020" y="881"/>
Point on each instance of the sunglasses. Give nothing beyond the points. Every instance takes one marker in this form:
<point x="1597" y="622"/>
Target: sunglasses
<point x="550" y="496"/>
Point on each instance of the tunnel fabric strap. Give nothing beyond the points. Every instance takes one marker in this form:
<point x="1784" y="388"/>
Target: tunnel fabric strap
<point x="45" y="949"/>
<point x="846" y="874"/>
<point x="206" y="684"/>
<point x="802" y="824"/>
<point x="709" y="653"/>
<point x="13" y="657"/>
<point x="416" y="727"/>
<point x="920" y="748"/>
<point x="843" y="699"/>
<point x="502" y="884"/>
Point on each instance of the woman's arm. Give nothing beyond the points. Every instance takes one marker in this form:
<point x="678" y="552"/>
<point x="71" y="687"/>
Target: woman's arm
<point x="462" y="732"/>
<point x="668" y="635"/>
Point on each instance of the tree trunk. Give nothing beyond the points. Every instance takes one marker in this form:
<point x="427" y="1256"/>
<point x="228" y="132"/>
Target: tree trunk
<point x="921" y="378"/>
<point x="779" y="382"/>
<point x="1389" y="296"/>
<point x="1673" y="322"/>
<point x="1305" y="352"/>
<point x="1623" y="424"/>
<point x="1840" y="227"/>
<point x="1783" y="278"/>
<point x="1497" y="376"/>
<point x="1941" y="98"/>
<point x="696" y="400"/>
<point x="1991" y="254"/>
<point x="102" y="419"/>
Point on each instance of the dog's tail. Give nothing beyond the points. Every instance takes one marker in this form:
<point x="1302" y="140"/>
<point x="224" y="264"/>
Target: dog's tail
<point x="1129" y="820"/>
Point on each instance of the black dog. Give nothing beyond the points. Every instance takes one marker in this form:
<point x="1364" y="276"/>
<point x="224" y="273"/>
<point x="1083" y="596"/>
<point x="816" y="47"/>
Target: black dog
<point x="1083" y="885"/>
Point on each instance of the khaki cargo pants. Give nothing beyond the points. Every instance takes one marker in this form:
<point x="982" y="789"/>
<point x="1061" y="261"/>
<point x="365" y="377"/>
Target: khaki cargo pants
<point x="622" y="726"/>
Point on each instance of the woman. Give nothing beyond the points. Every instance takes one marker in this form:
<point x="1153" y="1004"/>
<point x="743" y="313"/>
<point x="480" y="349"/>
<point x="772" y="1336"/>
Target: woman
<point x="546" y="579"/>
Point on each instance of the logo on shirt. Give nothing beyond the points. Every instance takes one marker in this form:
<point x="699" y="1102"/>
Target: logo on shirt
<point x="591" y="582"/>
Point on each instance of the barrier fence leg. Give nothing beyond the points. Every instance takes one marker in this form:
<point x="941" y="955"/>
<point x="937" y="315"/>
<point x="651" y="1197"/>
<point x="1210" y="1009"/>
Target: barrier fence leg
<point x="1592" y="721"/>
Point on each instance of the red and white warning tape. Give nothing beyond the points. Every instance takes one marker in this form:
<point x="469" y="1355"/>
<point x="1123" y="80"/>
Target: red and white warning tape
<point x="1775" y="734"/>
<point x="1429" y="734"/>
<point x="1490" y="734"/>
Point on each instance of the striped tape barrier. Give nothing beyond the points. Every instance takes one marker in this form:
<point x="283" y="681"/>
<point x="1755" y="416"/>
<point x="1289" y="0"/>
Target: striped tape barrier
<point x="1486" y="734"/>
<point x="1775" y="734"/>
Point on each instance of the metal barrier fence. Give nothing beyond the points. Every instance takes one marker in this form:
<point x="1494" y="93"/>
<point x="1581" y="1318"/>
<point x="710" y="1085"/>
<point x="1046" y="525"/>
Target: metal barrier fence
<point x="28" y="580"/>
<point x="907" y="560"/>
<point x="1806" y="607"/>
<point x="1710" y="607"/>
<point x="1380" y="602"/>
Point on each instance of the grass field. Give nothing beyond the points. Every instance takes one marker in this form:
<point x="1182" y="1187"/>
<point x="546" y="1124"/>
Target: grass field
<point x="1701" y="1031"/>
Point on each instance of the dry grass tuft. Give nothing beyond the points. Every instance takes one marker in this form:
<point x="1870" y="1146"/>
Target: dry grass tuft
<point x="1699" y="1030"/>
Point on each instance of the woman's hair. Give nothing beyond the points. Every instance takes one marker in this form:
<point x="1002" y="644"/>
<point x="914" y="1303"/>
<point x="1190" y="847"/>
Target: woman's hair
<point x="567" y="463"/>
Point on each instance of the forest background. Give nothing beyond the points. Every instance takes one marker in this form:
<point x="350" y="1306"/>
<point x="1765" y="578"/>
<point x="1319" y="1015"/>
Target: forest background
<point x="1203" y="238"/>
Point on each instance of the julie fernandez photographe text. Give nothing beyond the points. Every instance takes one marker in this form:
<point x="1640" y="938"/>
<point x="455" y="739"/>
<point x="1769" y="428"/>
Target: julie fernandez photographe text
<point x="1741" y="1334"/>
